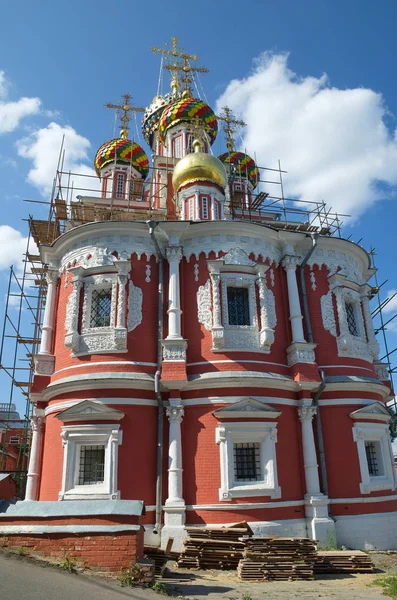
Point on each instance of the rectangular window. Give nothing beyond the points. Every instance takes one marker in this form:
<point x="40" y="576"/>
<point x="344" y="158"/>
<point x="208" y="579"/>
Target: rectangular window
<point x="351" y="319"/>
<point x="101" y="304"/>
<point x="204" y="208"/>
<point x="92" y="465"/>
<point x="177" y="143"/>
<point x="190" y="148"/>
<point x="238" y="306"/>
<point x="191" y="208"/>
<point x="120" y="185"/>
<point x="374" y="459"/>
<point x="216" y="211"/>
<point x="14" y="439"/>
<point x="247" y="462"/>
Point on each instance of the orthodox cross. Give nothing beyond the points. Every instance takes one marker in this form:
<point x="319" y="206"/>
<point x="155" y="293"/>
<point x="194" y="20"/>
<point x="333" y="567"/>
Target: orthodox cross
<point x="123" y="113"/>
<point x="175" y="66"/>
<point x="230" y="126"/>
<point x="199" y="130"/>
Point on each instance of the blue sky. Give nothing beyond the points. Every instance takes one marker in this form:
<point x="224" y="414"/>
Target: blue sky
<point x="323" y="99"/>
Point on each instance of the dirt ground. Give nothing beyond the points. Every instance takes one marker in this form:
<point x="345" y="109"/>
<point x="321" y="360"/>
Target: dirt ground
<point x="195" y="585"/>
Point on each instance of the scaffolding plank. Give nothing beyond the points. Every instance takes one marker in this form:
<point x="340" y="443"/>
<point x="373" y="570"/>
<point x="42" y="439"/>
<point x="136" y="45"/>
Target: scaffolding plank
<point x="61" y="209"/>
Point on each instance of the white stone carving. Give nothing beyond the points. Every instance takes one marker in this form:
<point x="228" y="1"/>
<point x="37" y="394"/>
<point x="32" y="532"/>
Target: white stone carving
<point x="267" y="307"/>
<point x="313" y="280"/>
<point x="204" y="313"/>
<point x="328" y="313"/>
<point x="301" y="352"/>
<point x="272" y="277"/>
<point x="148" y="272"/>
<point x="307" y="412"/>
<point x="382" y="370"/>
<point x="99" y="257"/>
<point x="173" y="352"/>
<point x="196" y="272"/>
<point x="237" y="256"/>
<point x="175" y="414"/>
<point x="134" y="307"/>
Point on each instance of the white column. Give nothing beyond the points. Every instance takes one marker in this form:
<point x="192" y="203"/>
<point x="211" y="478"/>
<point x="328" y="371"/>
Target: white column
<point x="306" y="414"/>
<point x="175" y="494"/>
<point x="267" y="332"/>
<point x="295" y="315"/>
<point x="123" y="268"/>
<point x="369" y="326"/>
<point x="213" y="209"/>
<point x="174" y="256"/>
<point x="49" y="312"/>
<point x="72" y="310"/>
<point x="33" y="477"/>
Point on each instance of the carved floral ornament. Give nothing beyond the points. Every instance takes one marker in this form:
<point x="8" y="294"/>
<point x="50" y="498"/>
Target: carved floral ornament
<point x="82" y="338"/>
<point x="212" y="307"/>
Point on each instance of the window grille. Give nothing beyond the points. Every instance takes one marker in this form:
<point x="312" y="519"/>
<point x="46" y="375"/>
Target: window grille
<point x="238" y="306"/>
<point x="92" y="465"/>
<point x="351" y="319"/>
<point x="204" y="204"/>
<point x="191" y="208"/>
<point x="119" y="185"/>
<point x="247" y="462"/>
<point x="14" y="439"/>
<point x="372" y="458"/>
<point x="178" y="147"/>
<point x="190" y="148"/>
<point x="216" y="211"/>
<point x="101" y="303"/>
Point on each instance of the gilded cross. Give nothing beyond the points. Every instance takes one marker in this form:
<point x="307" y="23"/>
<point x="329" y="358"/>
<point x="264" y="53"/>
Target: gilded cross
<point x="186" y="70"/>
<point x="230" y="126"/>
<point x="123" y="113"/>
<point x="175" y="67"/>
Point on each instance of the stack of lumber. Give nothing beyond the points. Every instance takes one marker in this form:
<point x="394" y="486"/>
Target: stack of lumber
<point x="277" y="559"/>
<point x="158" y="556"/>
<point x="343" y="561"/>
<point x="213" y="548"/>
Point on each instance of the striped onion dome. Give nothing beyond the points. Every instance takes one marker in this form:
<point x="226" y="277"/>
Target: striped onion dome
<point x="185" y="110"/>
<point x="151" y="117"/>
<point x="244" y="164"/>
<point x="122" y="151"/>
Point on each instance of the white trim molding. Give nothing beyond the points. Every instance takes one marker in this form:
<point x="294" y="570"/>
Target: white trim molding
<point x="378" y="433"/>
<point x="262" y="433"/>
<point x="73" y="438"/>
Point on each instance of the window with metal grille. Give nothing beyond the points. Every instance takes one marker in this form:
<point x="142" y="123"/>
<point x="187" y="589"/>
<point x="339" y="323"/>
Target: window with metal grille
<point x="177" y="143"/>
<point x="191" y="208"/>
<point x="92" y="465"/>
<point x="216" y="211"/>
<point x="247" y="462"/>
<point x="190" y="148"/>
<point x="14" y="439"/>
<point x="351" y="319"/>
<point x="101" y="303"/>
<point x="238" y="306"/>
<point x="204" y="206"/>
<point x="374" y="458"/>
<point x="120" y="185"/>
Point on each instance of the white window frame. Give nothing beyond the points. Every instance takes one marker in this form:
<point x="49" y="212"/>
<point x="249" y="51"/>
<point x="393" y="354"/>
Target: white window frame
<point x="120" y="178"/>
<point x="205" y="208"/>
<point x="240" y="336"/>
<point x="375" y="432"/>
<point x="264" y="433"/>
<point x="73" y="438"/>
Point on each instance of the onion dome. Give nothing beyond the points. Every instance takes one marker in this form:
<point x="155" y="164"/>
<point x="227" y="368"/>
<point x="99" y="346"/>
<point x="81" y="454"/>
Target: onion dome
<point x="184" y="110"/>
<point x="151" y="117"/>
<point x="198" y="167"/>
<point x="246" y="166"/>
<point x="122" y="151"/>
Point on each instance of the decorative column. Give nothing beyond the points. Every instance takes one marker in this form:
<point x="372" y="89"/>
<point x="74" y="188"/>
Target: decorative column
<point x="319" y="525"/>
<point x="175" y="508"/>
<point x="369" y="326"/>
<point x="44" y="360"/>
<point x="174" y="256"/>
<point x="33" y="477"/>
<point x="306" y="414"/>
<point x="217" y="327"/>
<point x="72" y="338"/>
<point x="295" y="315"/>
<point x="123" y="268"/>
<point x="267" y="310"/>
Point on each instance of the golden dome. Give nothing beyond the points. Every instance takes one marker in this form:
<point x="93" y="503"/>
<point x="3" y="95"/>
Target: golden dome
<point x="198" y="166"/>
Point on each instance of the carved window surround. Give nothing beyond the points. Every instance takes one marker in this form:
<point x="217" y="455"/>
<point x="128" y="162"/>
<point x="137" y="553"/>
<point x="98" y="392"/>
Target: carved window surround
<point x="259" y="432"/>
<point x="379" y="434"/>
<point x="102" y="271"/>
<point x="364" y="345"/>
<point x="236" y="269"/>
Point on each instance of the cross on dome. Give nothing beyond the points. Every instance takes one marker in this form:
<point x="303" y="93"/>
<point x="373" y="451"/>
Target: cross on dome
<point x="123" y="113"/>
<point x="230" y="125"/>
<point x="176" y="67"/>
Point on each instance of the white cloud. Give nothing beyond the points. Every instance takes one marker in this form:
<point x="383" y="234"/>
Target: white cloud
<point x="13" y="247"/>
<point x="334" y="143"/>
<point x="391" y="306"/>
<point x="42" y="147"/>
<point x="11" y="113"/>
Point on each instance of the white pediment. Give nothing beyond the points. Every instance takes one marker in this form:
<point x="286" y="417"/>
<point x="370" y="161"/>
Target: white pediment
<point x="89" y="411"/>
<point x="237" y="256"/>
<point x="247" y="409"/>
<point x="375" y="411"/>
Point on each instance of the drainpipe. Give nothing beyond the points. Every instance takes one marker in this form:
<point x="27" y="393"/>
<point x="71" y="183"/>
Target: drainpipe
<point x="160" y="418"/>
<point x="320" y="439"/>
<point x="309" y="332"/>
<point x="306" y="313"/>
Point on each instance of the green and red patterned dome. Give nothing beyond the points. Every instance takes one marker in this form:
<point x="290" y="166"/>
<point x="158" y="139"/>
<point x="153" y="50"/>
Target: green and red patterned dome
<point x="122" y="151"/>
<point x="185" y="110"/>
<point x="246" y="166"/>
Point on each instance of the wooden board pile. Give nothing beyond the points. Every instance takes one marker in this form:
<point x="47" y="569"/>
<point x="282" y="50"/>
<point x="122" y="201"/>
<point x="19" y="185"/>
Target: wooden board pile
<point x="277" y="559"/>
<point x="213" y="548"/>
<point x="343" y="561"/>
